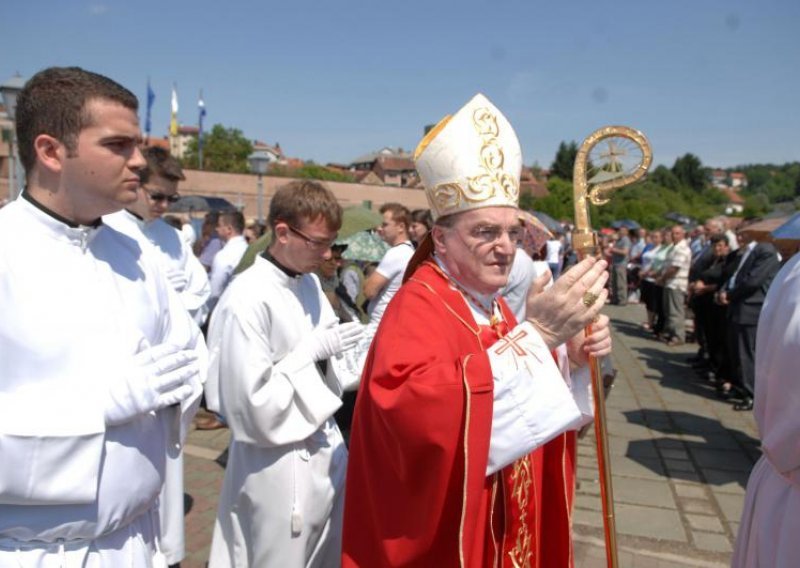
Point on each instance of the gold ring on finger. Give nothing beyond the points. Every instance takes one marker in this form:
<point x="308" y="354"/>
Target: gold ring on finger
<point x="589" y="299"/>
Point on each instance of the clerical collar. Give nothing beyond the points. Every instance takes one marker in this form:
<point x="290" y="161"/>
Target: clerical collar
<point x="135" y="215"/>
<point x="71" y="224"/>
<point x="287" y="271"/>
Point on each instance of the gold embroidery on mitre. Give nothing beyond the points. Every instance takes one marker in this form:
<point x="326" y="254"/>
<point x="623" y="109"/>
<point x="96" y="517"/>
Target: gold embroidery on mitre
<point x="491" y="179"/>
<point x="521" y="478"/>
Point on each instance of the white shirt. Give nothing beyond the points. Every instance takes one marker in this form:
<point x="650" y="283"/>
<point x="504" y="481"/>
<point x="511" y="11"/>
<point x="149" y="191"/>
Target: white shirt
<point x="184" y="271"/>
<point x="77" y="304"/>
<point x="553" y="251"/>
<point x="225" y="262"/>
<point x="392" y="267"/>
<point x="523" y="271"/>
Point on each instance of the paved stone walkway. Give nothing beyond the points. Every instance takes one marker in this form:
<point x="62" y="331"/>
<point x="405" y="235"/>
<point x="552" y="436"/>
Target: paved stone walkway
<point x="680" y="460"/>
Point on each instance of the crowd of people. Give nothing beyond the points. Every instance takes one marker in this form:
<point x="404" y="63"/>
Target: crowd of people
<point x="713" y="278"/>
<point x="469" y="355"/>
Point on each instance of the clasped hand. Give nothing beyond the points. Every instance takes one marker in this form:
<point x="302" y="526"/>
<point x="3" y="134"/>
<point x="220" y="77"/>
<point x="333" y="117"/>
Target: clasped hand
<point x="156" y="377"/>
<point x="328" y="342"/>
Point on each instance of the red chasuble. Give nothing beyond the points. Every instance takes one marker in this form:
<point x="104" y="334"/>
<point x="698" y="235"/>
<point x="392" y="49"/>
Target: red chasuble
<point x="417" y="491"/>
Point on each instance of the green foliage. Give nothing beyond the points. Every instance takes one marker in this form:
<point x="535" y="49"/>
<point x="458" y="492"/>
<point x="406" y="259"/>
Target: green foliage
<point x="778" y="183"/>
<point x="224" y="150"/>
<point x="564" y="162"/>
<point x="646" y="202"/>
<point x="756" y="205"/>
<point x="310" y="170"/>
<point x="689" y="171"/>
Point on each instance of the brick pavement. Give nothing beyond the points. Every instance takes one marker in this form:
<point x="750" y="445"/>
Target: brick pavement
<point x="680" y="460"/>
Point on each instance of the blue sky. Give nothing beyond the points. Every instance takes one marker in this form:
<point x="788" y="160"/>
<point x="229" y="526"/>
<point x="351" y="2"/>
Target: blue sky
<point x="333" y="80"/>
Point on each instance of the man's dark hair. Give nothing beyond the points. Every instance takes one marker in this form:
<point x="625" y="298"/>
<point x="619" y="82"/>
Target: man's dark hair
<point x="54" y="102"/>
<point x="400" y="213"/>
<point x="304" y="200"/>
<point x="717" y="238"/>
<point x="160" y="163"/>
<point x="233" y="218"/>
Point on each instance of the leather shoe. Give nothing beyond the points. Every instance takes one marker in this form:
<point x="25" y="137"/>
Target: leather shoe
<point x="208" y="423"/>
<point x="746" y="404"/>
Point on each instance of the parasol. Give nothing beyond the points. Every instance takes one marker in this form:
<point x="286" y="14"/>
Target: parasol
<point x="364" y="245"/>
<point x="536" y="233"/>
<point x="552" y="225"/>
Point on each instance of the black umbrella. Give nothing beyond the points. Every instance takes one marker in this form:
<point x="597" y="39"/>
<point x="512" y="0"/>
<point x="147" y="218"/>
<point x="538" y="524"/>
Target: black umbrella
<point x="552" y="225"/>
<point x="680" y="218"/>
<point x="191" y="203"/>
<point x="627" y="223"/>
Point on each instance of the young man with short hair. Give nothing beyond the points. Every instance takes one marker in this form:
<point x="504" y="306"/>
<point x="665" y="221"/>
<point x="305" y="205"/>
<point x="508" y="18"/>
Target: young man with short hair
<point x="230" y="229"/>
<point x="276" y="365"/>
<point x="143" y="220"/>
<point x="381" y="286"/>
<point x="101" y="364"/>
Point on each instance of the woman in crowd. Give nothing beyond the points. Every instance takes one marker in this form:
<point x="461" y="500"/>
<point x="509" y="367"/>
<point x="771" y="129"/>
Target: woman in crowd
<point x="421" y="223"/>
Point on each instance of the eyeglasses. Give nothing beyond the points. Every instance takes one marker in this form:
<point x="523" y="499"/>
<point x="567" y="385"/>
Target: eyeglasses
<point x="493" y="233"/>
<point x="311" y="242"/>
<point x="158" y="196"/>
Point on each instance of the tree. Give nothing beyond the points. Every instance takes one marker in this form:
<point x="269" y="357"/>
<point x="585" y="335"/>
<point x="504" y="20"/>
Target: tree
<point x="564" y="163"/>
<point x="224" y="150"/>
<point x="689" y="171"/>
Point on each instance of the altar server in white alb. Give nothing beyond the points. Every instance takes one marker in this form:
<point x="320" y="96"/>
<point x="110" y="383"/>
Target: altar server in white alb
<point x="769" y="534"/>
<point x="142" y="221"/>
<point x="275" y="346"/>
<point x="160" y="179"/>
<point x="101" y="364"/>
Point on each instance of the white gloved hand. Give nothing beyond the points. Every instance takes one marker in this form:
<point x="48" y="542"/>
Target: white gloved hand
<point x="328" y="342"/>
<point x="156" y="378"/>
<point x="177" y="279"/>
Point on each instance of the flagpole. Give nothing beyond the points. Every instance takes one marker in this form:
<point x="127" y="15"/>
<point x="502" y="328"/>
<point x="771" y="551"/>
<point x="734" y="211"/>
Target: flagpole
<point x="173" y="122"/>
<point x="202" y="113"/>
<point x="151" y="96"/>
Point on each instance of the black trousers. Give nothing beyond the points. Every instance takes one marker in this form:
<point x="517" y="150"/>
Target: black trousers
<point x="742" y="346"/>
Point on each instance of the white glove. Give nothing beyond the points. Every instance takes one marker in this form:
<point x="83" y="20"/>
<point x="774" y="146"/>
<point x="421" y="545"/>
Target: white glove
<point x="157" y="378"/>
<point x="328" y="342"/>
<point x="177" y="279"/>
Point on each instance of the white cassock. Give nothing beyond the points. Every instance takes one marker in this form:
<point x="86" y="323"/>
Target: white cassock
<point x="77" y="304"/>
<point x="189" y="279"/>
<point x="283" y="493"/>
<point x="184" y="271"/>
<point x="769" y="533"/>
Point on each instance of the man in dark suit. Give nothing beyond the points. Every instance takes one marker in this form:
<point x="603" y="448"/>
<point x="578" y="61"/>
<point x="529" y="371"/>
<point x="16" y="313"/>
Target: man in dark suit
<point x="744" y="295"/>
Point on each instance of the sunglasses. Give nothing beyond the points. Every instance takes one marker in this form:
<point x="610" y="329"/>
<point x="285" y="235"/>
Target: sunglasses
<point x="158" y="196"/>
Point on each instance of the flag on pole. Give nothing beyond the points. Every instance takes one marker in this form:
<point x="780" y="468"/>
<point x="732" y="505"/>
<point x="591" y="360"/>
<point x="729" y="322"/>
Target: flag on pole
<point x="151" y="96"/>
<point x="201" y="107"/>
<point x="173" y="123"/>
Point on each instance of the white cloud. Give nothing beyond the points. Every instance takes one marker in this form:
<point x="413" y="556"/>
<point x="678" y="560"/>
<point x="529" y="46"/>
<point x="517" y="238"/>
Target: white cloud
<point x="97" y="9"/>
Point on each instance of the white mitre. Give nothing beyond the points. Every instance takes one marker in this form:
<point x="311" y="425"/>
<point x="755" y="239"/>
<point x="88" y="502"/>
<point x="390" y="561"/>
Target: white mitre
<point x="470" y="160"/>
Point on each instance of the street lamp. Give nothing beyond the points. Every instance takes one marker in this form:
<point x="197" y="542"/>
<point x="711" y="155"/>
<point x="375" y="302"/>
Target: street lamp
<point x="10" y="89"/>
<point x="259" y="160"/>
